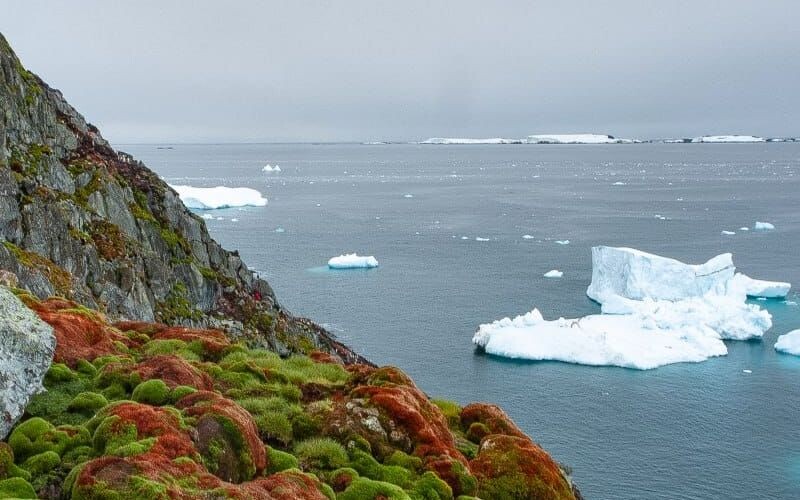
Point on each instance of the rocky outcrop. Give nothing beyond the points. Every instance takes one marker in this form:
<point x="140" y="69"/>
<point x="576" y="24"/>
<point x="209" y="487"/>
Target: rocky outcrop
<point x="26" y="350"/>
<point x="85" y="222"/>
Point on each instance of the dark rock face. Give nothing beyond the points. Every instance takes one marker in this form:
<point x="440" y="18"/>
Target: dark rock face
<point x="85" y="222"/>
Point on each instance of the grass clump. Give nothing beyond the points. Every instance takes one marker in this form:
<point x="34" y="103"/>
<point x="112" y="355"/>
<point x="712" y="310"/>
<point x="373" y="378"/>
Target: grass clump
<point x="317" y="454"/>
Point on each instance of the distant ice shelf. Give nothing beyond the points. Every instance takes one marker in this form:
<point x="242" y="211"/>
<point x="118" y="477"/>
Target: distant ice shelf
<point x="654" y="311"/>
<point x="200" y="198"/>
<point x="534" y="139"/>
<point x="462" y="140"/>
<point x="729" y="138"/>
<point x="352" y="261"/>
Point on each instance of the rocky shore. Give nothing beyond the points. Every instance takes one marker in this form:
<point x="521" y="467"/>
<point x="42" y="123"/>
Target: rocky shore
<point x="140" y="359"/>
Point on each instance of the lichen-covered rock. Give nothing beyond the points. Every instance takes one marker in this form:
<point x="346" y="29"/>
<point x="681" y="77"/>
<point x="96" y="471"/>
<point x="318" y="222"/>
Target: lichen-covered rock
<point x="26" y="351"/>
<point x="83" y="221"/>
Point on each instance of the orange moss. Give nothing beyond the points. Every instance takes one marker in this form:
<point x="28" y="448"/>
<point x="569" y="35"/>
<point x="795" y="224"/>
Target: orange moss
<point x="150" y="421"/>
<point x="214" y="341"/>
<point x="79" y="334"/>
<point x="287" y="485"/>
<point x="174" y="371"/>
<point x="324" y="357"/>
<point x="494" y="418"/>
<point x="509" y="464"/>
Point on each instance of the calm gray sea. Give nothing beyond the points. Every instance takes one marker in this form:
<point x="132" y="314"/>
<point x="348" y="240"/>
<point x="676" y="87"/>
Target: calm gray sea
<point x="706" y="430"/>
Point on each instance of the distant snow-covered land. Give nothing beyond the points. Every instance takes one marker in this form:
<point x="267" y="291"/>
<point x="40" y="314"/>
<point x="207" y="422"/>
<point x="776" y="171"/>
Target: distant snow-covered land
<point x="460" y="140"/>
<point x="729" y="138"/>
<point x="576" y="139"/>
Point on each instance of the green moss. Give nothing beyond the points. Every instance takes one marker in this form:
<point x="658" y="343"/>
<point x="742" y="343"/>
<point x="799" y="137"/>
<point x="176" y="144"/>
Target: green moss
<point x="320" y="454"/>
<point x="278" y="461"/>
<point x="86" y="368"/>
<point x="42" y="463"/>
<point x="134" y="448"/>
<point x="367" y="466"/>
<point x="179" y="392"/>
<point x="367" y="489"/>
<point x="301" y="369"/>
<point x="466" y="447"/>
<point x="175" y="241"/>
<point x="154" y="392"/>
<point x="81" y="196"/>
<point x="430" y="487"/>
<point x="111" y="434"/>
<point x="192" y="351"/>
<point x="404" y="460"/>
<point x="274" y="427"/>
<point x="451" y="411"/>
<point x="467" y="482"/>
<point x="16" y="487"/>
<point x="87" y="402"/>
<point x="7" y="466"/>
<point x="176" y="306"/>
<point x="31" y="437"/>
<point x="477" y="431"/>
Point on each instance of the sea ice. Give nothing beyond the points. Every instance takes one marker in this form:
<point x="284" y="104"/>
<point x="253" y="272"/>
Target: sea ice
<point x="654" y="311"/>
<point x="562" y="242"/>
<point x="728" y="232"/>
<point x="200" y="198"/>
<point x="478" y="238"/>
<point x="763" y="226"/>
<point x="789" y="343"/>
<point x="352" y="261"/>
<point x="208" y="216"/>
<point x="619" y="183"/>
<point x="555" y="273"/>
<point x="527" y="237"/>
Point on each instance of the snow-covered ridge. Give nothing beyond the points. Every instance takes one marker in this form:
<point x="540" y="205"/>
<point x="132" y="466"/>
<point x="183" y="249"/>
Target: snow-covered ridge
<point x="729" y="138"/>
<point x="654" y="311"/>
<point x="534" y="139"/>
<point x="200" y="198"/>
<point x="352" y="261"/>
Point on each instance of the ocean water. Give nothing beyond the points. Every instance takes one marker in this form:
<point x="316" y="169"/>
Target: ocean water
<point x="688" y="431"/>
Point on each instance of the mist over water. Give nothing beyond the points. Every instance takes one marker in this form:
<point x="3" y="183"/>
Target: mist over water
<point x="706" y="430"/>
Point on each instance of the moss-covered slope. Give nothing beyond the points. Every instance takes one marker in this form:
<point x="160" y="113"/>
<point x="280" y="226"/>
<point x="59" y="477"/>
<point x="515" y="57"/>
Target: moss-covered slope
<point x="145" y="410"/>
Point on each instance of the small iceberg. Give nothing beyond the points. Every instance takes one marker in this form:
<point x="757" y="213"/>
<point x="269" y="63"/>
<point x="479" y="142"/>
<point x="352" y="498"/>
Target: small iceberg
<point x="212" y="198"/>
<point x="271" y="168"/>
<point x="478" y="238"/>
<point x="555" y="273"/>
<point x="728" y="233"/>
<point x="763" y="226"/>
<point x="562" y="242"/>
<point x="654" y="311"/>
<point x="352" y="261"/>
<point x="620" y="183"/>
<point x="789" y="343"/>
<point x="527" y="237"/>
<point x="408" y="196"/>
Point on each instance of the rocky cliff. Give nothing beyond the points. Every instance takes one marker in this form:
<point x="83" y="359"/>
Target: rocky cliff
<point x="85" y="222"/>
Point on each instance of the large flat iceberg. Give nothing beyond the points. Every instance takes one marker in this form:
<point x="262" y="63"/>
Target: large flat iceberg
<point x="789" y="343"/>
<point x="654" y="311"/>
<point x="352" y="261"/>
<point x="219" y="197"/>
<point x="728" y="138"/>
<point x="575" y="139"/>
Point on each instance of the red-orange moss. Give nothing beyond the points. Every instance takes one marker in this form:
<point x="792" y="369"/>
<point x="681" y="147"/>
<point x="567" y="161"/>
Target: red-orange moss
<point x="494" y="418"/>
<point x="150" y="421"/>
<point x="80" y="334"/>
<point x="174" y="371"/>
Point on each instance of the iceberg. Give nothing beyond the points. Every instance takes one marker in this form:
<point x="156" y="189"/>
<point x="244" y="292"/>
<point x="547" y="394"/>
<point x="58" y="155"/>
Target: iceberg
<point x="728" y="138"/>
<point x="763" y="226"/>
<point x="461" y="140"/>
<point x="555" y="273"/>
<point x="575" y="139"/>
<point x="352" y="261"/>
<point x="789" y="343"/>
<point x="200" y="198"/>
<point x="271" y="168"/>
<point x="654" y="311"/>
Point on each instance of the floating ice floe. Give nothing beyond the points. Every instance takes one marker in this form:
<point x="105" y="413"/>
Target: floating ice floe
<point x="200" y="198"/>
<point x="760" y="288"/>
<point x="763" y="226"/>
<point x="207" y="216"/>
<point x="280" y="230"/>
<point x="555" y="273"/>
<point x="408" y="196"/>
<point x="478" y="238"/>
<point x="789" y="343"/>
<point x="562" y="242"/>
<point x="654" y="311"/>
<point x="619" y="183"/>
<point x="744" y="228"/>
<point x="352" y="261"/>
<point x="527" y="237"/>
<point x="271" y="168"/>
<point x="728" y="138"/>
<point x="728" y="232"/>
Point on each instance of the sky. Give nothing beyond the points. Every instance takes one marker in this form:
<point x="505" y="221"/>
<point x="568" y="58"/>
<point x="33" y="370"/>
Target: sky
<point x="295" y="71"/>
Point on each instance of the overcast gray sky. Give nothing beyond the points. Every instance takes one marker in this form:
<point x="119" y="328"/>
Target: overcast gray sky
<point x="245" y="71"/>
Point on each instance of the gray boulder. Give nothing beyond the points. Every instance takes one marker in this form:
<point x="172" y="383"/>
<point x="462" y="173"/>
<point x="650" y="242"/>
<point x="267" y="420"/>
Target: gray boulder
<point x="27" y="345"/>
